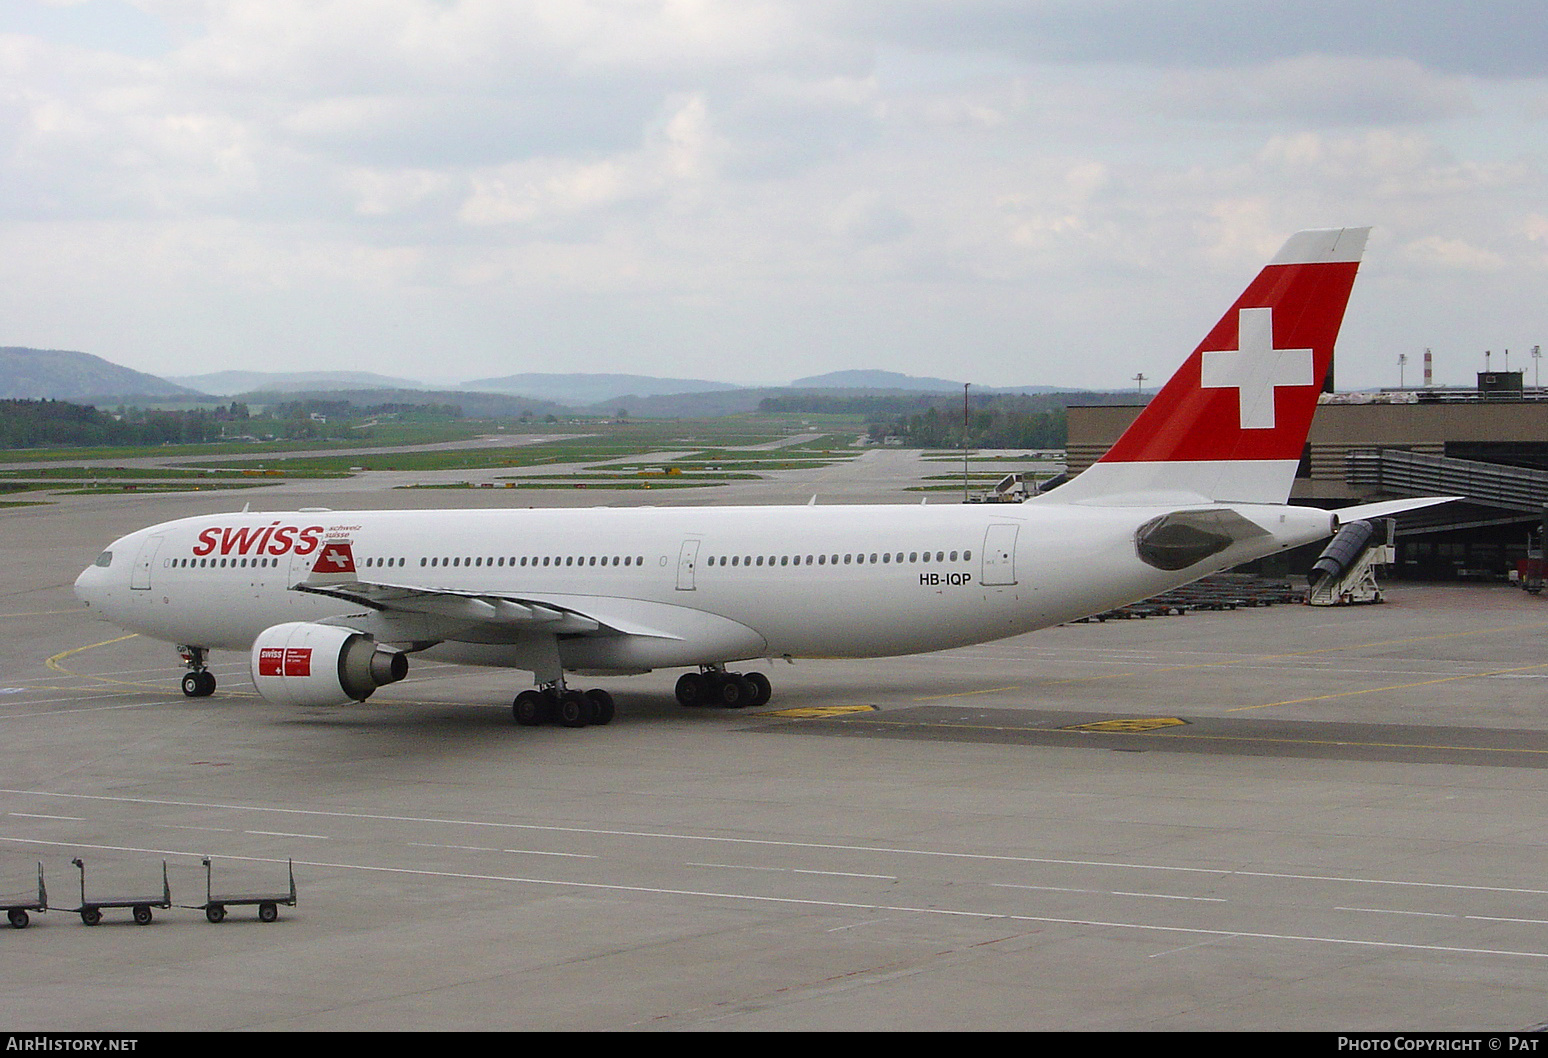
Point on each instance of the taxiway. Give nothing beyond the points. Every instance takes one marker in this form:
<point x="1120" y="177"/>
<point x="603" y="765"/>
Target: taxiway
<point x="1278" y="818"/>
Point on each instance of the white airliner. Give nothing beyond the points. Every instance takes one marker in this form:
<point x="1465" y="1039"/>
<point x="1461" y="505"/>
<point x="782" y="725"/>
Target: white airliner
<point x="330" y="604"/>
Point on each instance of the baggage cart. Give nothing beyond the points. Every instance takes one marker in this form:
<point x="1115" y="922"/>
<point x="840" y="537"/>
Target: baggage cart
<point x="17" y="910"/>
<point x="268" y="904"/>
<point x="91" y="910"/>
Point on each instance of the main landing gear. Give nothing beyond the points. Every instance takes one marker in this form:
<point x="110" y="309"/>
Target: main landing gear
<point x="555" y="704"/>
<point x="198" y="681"/>
<point x="730" y="690"/>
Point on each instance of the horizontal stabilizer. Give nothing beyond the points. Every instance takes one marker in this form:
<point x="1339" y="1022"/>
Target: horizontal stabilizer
<point x="1387" y="508"/>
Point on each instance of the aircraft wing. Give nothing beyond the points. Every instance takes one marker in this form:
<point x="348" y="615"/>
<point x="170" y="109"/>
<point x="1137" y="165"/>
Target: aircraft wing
<point x="450" y="613"/>
<point x="418" y="614"/>
<point x="600" y="632"/>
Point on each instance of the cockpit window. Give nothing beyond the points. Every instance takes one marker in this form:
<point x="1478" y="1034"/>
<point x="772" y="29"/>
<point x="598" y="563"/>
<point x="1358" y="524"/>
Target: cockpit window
<point x="105" y="559"/>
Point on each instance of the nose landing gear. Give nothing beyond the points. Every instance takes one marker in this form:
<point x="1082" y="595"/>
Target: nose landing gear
<point x="198" y="681"/>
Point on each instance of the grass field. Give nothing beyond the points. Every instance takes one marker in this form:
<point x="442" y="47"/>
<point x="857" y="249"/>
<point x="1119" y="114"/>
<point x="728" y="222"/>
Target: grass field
<point x="633" y="454"/>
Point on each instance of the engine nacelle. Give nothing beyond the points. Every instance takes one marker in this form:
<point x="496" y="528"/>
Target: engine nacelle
<point x="299" y="663"/>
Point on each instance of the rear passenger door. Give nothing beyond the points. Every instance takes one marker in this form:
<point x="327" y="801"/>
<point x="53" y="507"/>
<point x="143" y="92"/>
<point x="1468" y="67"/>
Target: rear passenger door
<point x="687" y="564"/>
<point x="999" y="554"/>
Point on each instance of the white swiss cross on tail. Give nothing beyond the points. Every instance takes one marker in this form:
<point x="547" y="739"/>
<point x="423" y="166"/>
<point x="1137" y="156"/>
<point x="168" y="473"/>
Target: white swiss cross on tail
<point x="1231" y="424"/>
<point x="1254" y="368"/>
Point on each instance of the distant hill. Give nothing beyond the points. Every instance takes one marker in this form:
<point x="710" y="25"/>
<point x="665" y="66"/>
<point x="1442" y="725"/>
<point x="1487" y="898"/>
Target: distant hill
<point x="39" y="374"/>
<point x="582" y="389"/>
<point x="694" y="405"/>
<point x="57" y="374"/>
<point x="874" y="380"/>
<point x="473" y="405"/>
<point x="228" y="383"/>
<point x="894" y="381"/>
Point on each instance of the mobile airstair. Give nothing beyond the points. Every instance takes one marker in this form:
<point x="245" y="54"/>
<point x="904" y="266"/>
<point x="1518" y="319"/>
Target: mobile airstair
<point x="1345" y="572"/>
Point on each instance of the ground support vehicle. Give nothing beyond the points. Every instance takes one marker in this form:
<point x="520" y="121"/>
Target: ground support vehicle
<point x="17" y="911"/>
<point x="91" y="909"/>
<point x="268" y="904"/>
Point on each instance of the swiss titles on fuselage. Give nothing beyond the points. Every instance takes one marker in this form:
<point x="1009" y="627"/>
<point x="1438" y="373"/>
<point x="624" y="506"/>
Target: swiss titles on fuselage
<point x="275" y="538"/>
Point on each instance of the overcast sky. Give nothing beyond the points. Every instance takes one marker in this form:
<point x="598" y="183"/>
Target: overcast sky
<point x="1060" y="192"/>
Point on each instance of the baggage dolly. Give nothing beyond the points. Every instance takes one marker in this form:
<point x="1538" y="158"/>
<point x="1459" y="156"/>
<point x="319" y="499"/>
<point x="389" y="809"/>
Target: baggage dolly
<point x="214" y="907"/>
<point x="16" y="910"/>
<point x="91" y="910"/>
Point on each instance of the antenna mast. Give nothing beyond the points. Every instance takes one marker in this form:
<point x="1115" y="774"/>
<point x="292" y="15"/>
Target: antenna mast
<point x="965" y="386"/>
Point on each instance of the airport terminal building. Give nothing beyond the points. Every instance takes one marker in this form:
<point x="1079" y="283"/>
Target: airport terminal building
<point x="1488" y="444"/>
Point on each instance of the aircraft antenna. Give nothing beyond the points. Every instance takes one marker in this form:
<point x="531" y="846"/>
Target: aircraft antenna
<point x="965" y="386"/>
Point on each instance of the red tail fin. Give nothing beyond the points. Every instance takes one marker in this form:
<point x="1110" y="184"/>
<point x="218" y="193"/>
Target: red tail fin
<point x="1232" y="422"/>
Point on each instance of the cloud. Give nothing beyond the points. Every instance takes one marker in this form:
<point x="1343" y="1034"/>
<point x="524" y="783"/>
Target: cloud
<point x="678" y="153"/>
<point x="117" y="26"/>
<point x="1452" y="255"/>
<point x="1318" y="90"/>
<point x="1487" y="38"/>
<point x="1041" y="189"/>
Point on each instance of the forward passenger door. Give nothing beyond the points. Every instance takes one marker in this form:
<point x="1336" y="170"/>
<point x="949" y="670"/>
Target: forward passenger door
<point x="140" y="580"/>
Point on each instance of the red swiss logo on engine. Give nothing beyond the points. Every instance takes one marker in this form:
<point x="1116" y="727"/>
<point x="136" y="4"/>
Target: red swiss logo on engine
<point x="271" y="661"/>
<point x="285" y="661"/>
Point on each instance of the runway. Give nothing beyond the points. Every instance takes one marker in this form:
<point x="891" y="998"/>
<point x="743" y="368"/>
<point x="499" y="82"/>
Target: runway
<point x="1268" y="819"/>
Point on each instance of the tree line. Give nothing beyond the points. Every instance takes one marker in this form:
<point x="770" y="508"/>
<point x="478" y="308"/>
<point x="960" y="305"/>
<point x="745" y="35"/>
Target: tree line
<point x="935" y="420"/>
<point x="61" y="424"/>
<point x="991" y="424"/>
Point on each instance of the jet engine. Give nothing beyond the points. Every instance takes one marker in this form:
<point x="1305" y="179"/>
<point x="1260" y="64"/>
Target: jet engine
<point x="299" y="663"/>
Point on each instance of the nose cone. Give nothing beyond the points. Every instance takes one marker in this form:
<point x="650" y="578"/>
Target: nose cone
<point x="83" y="585"/>
<point x="91" y="587"/>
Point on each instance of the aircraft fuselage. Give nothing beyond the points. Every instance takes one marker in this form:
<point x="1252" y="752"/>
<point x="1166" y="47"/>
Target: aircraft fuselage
<point x="706" y="584"/>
